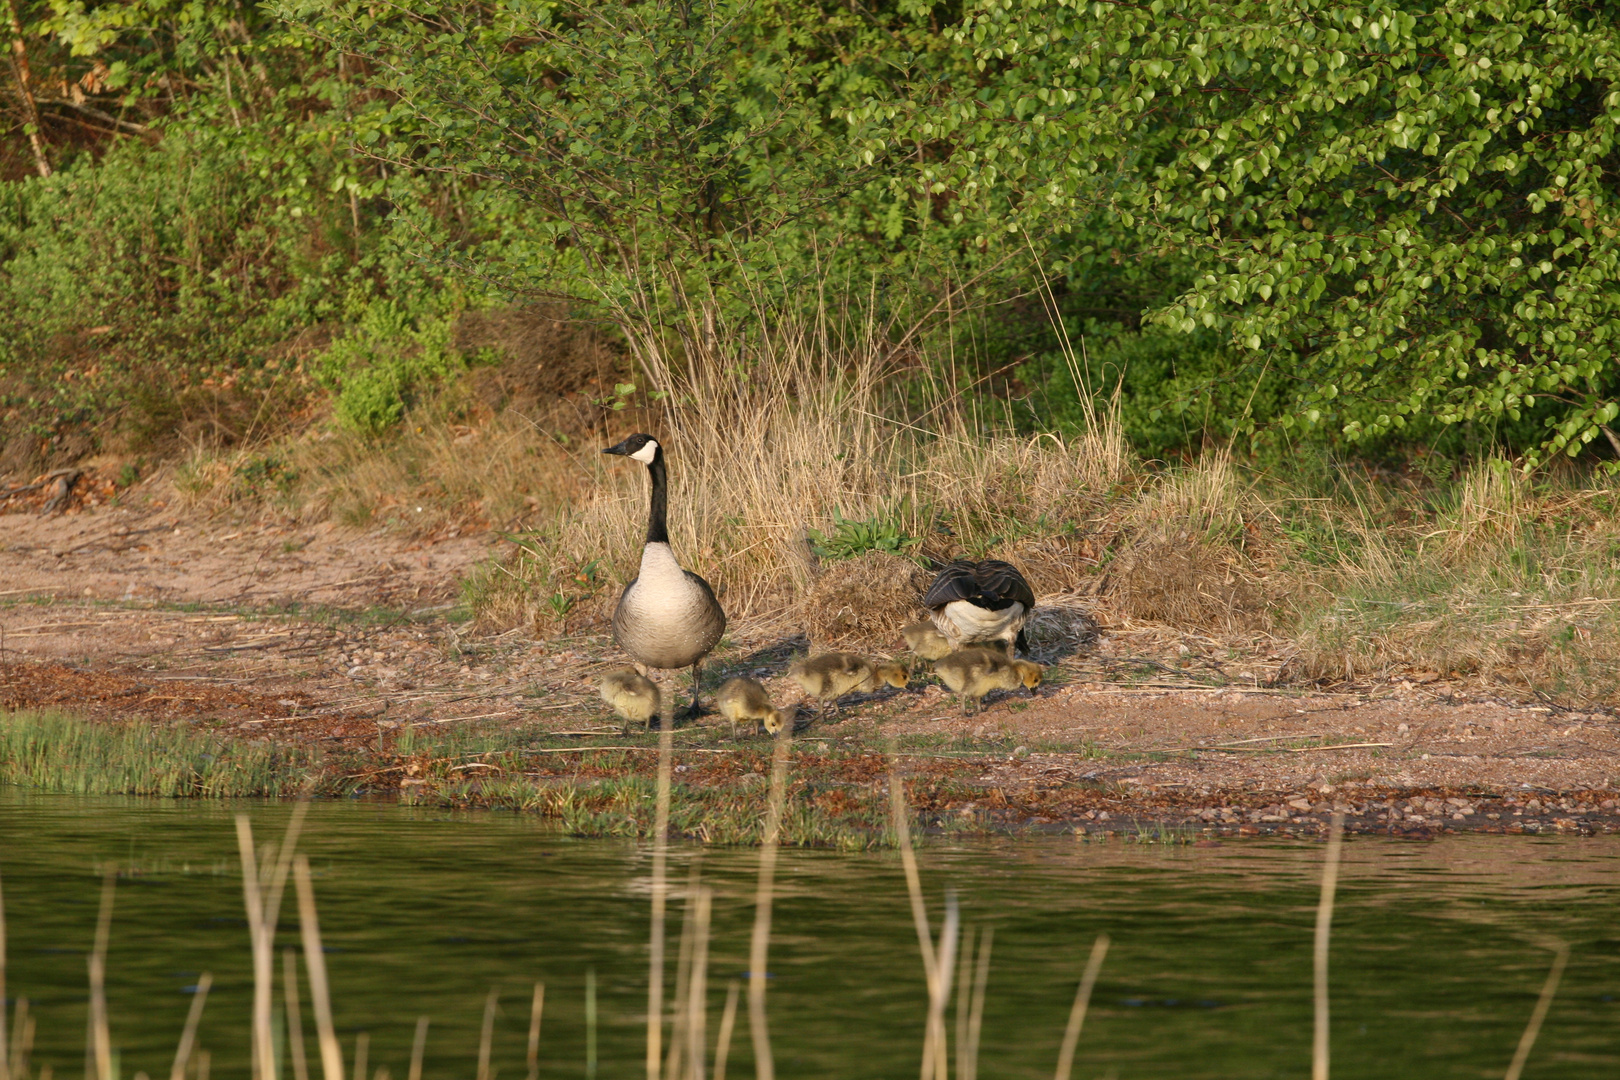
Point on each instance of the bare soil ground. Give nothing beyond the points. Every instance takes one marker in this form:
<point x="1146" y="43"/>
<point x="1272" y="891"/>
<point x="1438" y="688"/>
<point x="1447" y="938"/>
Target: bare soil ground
<point x="141" y="614"/>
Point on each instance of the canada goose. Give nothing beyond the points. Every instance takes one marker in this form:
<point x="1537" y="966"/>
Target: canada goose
<point x="973" y="673"/>
<point x="668" y="616"/>
<point x="926" y="642"/>
<point x="981" y="601"/>
<point x="830" y="676"/>
<point x="631" y="694"/>
<point x="744" y="700"/>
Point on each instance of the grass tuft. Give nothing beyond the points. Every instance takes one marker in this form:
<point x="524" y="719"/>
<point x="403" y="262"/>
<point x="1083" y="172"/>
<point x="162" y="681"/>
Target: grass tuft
<point x="54" y="751"/>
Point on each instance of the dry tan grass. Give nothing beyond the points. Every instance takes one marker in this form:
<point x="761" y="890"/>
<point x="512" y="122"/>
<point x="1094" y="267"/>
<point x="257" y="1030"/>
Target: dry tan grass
<point x="862" y="603"/>
<point x="1513" y="582"/>
<point x="1500" y="576"/>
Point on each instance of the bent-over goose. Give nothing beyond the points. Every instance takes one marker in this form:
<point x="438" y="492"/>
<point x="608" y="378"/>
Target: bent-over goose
<point x="981" y="601"/>
<point x="830" y="676"/>
<point x="668" y="616"/>
<point x="742" y="700"/>
<point x="633" y="696"/>
<point x="973" y="673"/>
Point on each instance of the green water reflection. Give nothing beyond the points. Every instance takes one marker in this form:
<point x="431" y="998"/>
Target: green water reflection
<point x="1436" y="959"/>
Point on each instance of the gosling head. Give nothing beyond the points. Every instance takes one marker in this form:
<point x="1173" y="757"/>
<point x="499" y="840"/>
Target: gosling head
<point x="640" y="446"/>
<point x="893" y="674"/>
<point x="777" y="719"/>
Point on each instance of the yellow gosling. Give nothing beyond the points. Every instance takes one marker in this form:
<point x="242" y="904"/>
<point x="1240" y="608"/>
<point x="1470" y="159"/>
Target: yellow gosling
<point x="743" y="700"/>
<point x="780" y="718"/>
<point x="973" y="673"/>
<point x="830" y="676"/>
<point x="925" y="641"/>
<point x="633" y="696"/>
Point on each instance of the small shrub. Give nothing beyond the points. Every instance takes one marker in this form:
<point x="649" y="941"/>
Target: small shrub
<point x="849" y="538"/>
<point x="385" y="364"/>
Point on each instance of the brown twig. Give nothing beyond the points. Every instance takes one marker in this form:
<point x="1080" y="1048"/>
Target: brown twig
<point x="25" y="79"/>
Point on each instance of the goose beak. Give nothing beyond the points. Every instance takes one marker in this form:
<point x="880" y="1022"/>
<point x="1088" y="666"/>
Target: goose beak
<point x="621" y="450"/>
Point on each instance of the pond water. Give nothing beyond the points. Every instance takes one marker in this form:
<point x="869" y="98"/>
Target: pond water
<point x="1439" y="948"/>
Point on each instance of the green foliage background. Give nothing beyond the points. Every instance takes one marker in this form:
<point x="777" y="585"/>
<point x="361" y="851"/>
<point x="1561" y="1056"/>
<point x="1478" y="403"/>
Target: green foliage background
<point x="1371" y="228"/>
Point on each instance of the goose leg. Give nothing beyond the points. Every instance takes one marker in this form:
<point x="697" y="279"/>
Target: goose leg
<point x="693" y="713"/>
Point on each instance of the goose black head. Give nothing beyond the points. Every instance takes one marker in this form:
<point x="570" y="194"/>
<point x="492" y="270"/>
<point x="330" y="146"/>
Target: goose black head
<point x="642" y="447"/>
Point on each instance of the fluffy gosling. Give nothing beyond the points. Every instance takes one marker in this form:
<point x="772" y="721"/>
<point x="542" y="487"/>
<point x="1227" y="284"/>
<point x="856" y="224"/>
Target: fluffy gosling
<point x="781" y="718"/>
<point x="925" y="641"/>
<point x="830" y="676"/>
<point x="973" y="673"/>
<point x="632" y="695"/>
<point x="744" y="701"/>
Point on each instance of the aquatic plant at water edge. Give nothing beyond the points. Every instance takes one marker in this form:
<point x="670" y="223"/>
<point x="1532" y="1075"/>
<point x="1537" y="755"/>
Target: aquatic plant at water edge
<point x="55" y="751"/>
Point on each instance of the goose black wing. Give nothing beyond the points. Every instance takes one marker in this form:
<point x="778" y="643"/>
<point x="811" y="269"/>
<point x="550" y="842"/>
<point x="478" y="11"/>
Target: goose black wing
<point x="955" y="582"/>
<point x="1003" y="581"/>
<point x="991" y="584"/>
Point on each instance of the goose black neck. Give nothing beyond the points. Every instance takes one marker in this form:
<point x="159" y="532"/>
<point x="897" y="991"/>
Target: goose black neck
<point x="657" y="530"/>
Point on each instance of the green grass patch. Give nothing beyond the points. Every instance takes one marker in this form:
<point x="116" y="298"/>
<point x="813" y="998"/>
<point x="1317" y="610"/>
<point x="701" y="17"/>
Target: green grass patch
<point x="56" y="751"/>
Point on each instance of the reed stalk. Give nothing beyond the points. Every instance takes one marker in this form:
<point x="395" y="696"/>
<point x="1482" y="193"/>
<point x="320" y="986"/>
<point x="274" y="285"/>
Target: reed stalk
<point x="486" y="1035"/>
<point x="697" y="1037"/>
<point x="362" y="1044"/>
<point x="936" y="1051"/>
<point x="188" y="1034"/>
<point x="1324" y="927"/>
<point x="683" y="964"/>
<point x="964" y="1000"/>
<point x="5" y="1052"/>
<point x="100" y="1032"/>
<point x="320" y="999"/>
<point x="900" y="821"/>
<point x="204" y="1061"/>
<point x="728" y="1021"/>
<point x="535" y="1008"/>
<point x="22" y="1039"/>
<point x="981" y="978"/>
<point x="759" y="945"/>
<point x="655" y="945"/>
<point x="1528" y="1040"/>
<point x="418" y="1048"/>
<point x="295" y="1019"/>
<point x="264" y="1063"/>
<point x="1082" y="1001"/>
<point x="590" y="1023"/>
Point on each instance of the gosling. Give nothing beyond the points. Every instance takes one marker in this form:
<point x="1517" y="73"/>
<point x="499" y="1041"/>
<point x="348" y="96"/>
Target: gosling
<point x="926" y="642"/>
<point x="830" y="676"/>
<point x="632" y="695"/>
<point x="973" y="673"/>
<point x="788" y="717"/>
<point x="744" y="701"/>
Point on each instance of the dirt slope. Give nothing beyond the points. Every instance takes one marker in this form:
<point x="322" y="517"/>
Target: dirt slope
<point x="326" y="634"/>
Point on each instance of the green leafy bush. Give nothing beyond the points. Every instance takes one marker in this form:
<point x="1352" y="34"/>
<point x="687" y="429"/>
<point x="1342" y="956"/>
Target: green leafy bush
<point x="385" y="363"/>
<point x="1404" y="209"/>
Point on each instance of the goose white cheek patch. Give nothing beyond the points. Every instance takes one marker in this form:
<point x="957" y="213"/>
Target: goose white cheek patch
<point x="645" y="454"/>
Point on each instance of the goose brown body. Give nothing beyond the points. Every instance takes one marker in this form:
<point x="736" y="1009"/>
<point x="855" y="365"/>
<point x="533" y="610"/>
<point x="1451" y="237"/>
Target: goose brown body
<point x="973" y="673"/>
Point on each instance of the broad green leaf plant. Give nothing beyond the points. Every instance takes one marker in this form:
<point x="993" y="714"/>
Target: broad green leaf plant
<point x="1409" y="209"/>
